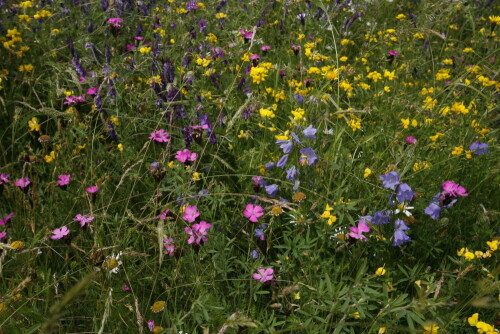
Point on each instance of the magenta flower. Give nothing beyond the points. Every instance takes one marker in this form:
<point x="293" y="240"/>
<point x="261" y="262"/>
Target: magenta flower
<point x="83" y="220"/>
<point x="168" y="243"/>
<point x="190" y="213"/>
<point x="198" y="232"/>
<point x="125" y="287"/>
<point x="74" y="99"/>
<point x="393" y="53"/>
<point x="410" y="140"/>
<point x="23" y="183"/>
<point x="60" y="233"/>
<point x="357" y="232"/>
<point x="454" y="189"/>
<point x="185" y="155"/>
<point x="92" y="91"/>
<point x="2" y="235"/>
<point x="4" y="178"/>
<point x="164" y="214"/>
<point x="264" y="275"/>
<point x="6" y="219"/>
<point x="254" y="56"/>
<point x="130" y="47"/>
<point x="265" y="48"/>
<point x="115" y="22"/>
<point x="253" y="212"/>
<point x="64" y="179"/>
<point x="92" y="190"/>
<point x="160" y="136"/>
<point x="151" y="325"/>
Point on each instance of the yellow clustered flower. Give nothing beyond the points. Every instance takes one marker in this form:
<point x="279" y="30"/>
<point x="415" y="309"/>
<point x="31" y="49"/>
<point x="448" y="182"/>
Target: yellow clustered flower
<point x="443" y="74"/>
<point x="266" y="113"/>
<point x="51" y="157"/>
<point x="432" y="329"/>
<point x="120" y="147"/>
<point x="389" y="75"/>
<point x="482" y="327"/>
<point x="212" y="38"/>
<point x="406" y="122"/>
<point x="327" y="214"/>
<point x="367" y="172"/>
<point x="459" y="108"/>
<point x="25" y="5"/>
<point x="34" y="125"/>
<point x="145" y="49"/>
<point x="436" y="136"/>
<point x="26" y="68"/>
<point x="298" y="114"/>
<point x="204" y="62"/>
<point x="278" y="96"/>
<point x="375" y="76"/>
<point x="458" y="150"/>
<point x="42" y="14"/>
<point x="420" y="165"/>
<point x="220" y="16"/>
<point x="380" y="271"/>
<point x="259" y="73"/>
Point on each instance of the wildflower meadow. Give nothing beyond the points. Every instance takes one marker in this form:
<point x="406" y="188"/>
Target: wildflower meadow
<point x="249" y="166"/>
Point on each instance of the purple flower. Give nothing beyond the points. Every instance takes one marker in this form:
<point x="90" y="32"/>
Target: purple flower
<point x="433" y="210"/>
<point x="272" y="190"/>
<point x="400" y="236"/>
<point x="405" y="193"/>
<point x="246" y="34"/>
<point x="253" y="212"/>
<point x="168" y="243"/>
<point x="60" y="233"/>
<point x="4" y="178"/>
<point x="308" y="156"/>
<point x="74" y="99"/>
<point x="310" y="132"/>
<point x="115" y="22"/>
<point x="296" y="138"/>
<point x="291" y="173"/>
<point x="83" y="220"/>
<point x="198" y="232"/>
<point x="390" y="180"/>
<point x="259" y="231"/>
<point x="151" y="325"/>
<point x="479" y="148"/>
<point x="160" y="136"/>
<point x="264" y="275"/>
<point x="393" y="53"/>
<point x="254" y="254"/>
<point x="92" y="190"/>
<point x="190" y="213"/>
<point x="23" y="182"/>
<point x="281" y="163"/>
<point x="285" y="145"/>
<point x="357" y="232"/>
<point x="270" y="165"/>
<point x="64" y="179"/>
<point x="380" y="218"/>
<point x="5" y="220"/>
<point x="410" y="140"/>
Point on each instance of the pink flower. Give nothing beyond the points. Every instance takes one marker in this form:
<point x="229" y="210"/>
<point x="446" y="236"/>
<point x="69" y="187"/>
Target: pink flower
<point x="264" y="275"/>
<point x="198" y="232"/>
<point x="357" y="232"/>
<point x="185" y="155"/>
<point x="60" y="233"/>
<point x="4" y="178"/>
<point x="2" y="235"/>
<point x="265" y="48"/>
<point x="246" y="34"/>
<point x="6" y="219"/>
<point x="410" y="140"/>
<point x="23" y="183"/>
<point x="252" y="212"/>
<point x="125" y="287"/>
<point x="83" y="220"/>
<point x="160" y="136"/>
<point x="74" y="99"/>
<point x="168" y="243"/>
<point x="92" y="190"/>
<point x="454" y="189"/>
<point x="254" y="56"/>
<point x="130" y="47"/>
<point x="92" y="91"/>
<point x="115" y="22"/>
<point x="190" y="213"/>
<point x="151" y="325"/>
<point x="393" y="53"/>
<point x="164" y="214"/>
<point x="64" y="179"/>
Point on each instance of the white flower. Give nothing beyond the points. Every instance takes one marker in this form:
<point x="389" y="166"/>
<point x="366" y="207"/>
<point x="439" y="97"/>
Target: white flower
<point x="404" y="209"/>
<point x="112" y="263"/>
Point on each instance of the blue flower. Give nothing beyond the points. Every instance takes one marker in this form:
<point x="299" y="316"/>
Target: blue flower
<point x="296" y="138"/>
<point x="272" y="189"/>
<point x="405" y="193"/>
<point x="400" y="236"/>
<point x="291" y="173"/>
<point x="309" y="132"/>
<point x="479" y="148"/>
<point x="380" y="218"/>
<point x="285" y="145"/>
<point x="270" y="165"/>
<point x="433" y="210"/>
<point x="308" y="156"/>
<point x="254" y="254"/>
<point x="281" y="163"/>
<point x="390" y="180"/>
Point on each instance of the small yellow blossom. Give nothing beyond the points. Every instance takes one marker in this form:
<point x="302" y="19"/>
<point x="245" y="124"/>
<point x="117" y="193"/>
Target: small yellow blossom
<point x="367" y="172"/>
<point x="401" y="17"/>
<point x="120" y="147"/>
<point x="145" y="49"/>
<point x="33" y="124"/>
<point x="220" y="16"/>
<point x="266" y="113"/>
<point x="432" y="329"/>
<point x="457" y="150"/>
<point x="51" y="157"/>
<point x="26" y="68"/>
<point x="380" y="271"/>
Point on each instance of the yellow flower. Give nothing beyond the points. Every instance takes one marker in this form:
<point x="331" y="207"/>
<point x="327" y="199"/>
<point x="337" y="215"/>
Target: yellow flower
<point x="26" y="68"/>
<point x="17" y="245"/>
<point x="211" y="38"/>
<point x="220" y="16"/>
<point x="486" y="328"/>
<point x="436" y="136"/>
<point x="343" y="59"/>
<point x="120" y="147"/>
<point x="196" y="176"/>
<point x="468" y="50"/>
<point x="494" y="19"/>
<point x="296" y="296"/>
<point x="145" y="49"/>
<point x="367" y="172"/>
<point x="298" y="114"/>
<point x="26" y="5"/>
<point x="266" y="113"/>
<point x="375" y="76"/>
<point x="380" y="271"/>
<point x="473" y="320"/>
<point x="51" y="157"/>
<point x="33" y="124"/>
<point x="493" y="244"/>
<point x="158" y="306"/>
<point x="354" y="124"/>
<point x="406" y="122"/>
<point x="389" y="75"/>
<point x="401" y="17"/>
<point x="432" y="329"/>
<point x="332" y="219"/>
<point x="258" y="74"/>
<point x="355" y="315"/>
<point x="24" y="18"/>
<point x="469" y="256"/>
<point x="457" y="150"/>
<point x="382" y="330"/>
